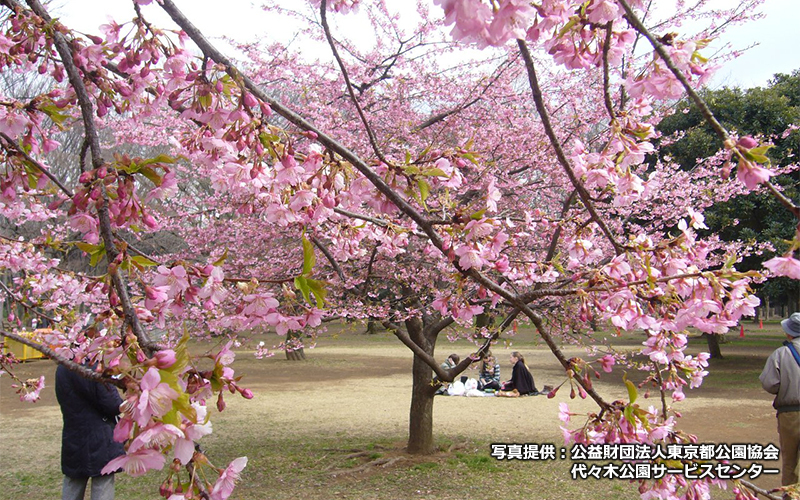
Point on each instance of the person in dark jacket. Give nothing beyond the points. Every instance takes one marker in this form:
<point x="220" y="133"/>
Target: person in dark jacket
<point x="521" y="382"/>
<point x="87" y="442"/>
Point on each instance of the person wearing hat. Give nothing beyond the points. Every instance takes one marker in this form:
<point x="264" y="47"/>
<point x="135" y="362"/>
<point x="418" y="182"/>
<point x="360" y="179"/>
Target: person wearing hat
<point x="781" y="376"/>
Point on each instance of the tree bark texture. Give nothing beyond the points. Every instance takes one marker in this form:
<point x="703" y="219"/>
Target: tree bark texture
<point x="420" y="422"/>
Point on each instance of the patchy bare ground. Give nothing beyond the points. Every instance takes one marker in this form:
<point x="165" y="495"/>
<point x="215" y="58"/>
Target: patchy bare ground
<point x="361" y="386"/>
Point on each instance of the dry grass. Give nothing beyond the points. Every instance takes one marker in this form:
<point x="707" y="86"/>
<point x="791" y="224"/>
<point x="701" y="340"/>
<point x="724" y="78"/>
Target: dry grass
<point x="309" y="420"/>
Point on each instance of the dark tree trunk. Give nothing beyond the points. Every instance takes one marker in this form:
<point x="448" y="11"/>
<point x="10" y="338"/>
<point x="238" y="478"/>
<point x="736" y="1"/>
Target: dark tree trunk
<point x="713" y="345"/>
<point x="420" y="422"/>
<point x="294" y="354"/>
<point x="373" y="327"/>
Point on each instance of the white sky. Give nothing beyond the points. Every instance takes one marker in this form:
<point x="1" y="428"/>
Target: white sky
<point x="776" y="35"/>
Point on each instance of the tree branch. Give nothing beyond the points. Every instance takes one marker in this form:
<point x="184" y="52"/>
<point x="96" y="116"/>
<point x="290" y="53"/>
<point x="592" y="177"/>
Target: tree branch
<point x="562" y="158"/>
<point x="328" y="256"/>
<point x="81" y="370"/>
<point x="606" y="91"/>
<point x="36" y="164"/>
<point x="323" y="7"/>
<point x="92" y="138"/>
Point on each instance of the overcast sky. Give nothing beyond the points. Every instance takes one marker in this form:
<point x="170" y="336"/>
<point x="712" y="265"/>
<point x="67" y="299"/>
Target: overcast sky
<point x="776" y="36"/>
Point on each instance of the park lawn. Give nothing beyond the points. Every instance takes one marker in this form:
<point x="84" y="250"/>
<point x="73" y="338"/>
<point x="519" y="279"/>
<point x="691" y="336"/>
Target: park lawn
<point x="334" y="425"/>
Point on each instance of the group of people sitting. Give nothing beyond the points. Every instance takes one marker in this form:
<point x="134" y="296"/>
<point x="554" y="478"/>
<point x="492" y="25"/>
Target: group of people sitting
<point x="488" y="381"/>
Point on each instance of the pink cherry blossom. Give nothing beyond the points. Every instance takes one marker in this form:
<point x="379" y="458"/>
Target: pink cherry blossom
<point x="137" y="463"/>
<point x="155" y="400"/>
<point x="227" y="480"/>
<point x="751" y="175"/>
<point x="784" y="266"/>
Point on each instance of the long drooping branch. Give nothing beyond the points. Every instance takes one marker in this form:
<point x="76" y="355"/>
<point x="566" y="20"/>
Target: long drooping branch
<point x="92" y="138"/>
<point x="707" y="114"/>
<point x="560" y="155"/>
<point x="404" y="206"/>
<point x="82" y="370"/>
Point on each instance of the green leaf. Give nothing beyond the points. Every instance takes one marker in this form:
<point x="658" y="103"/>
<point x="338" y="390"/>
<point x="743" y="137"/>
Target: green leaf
<point x="761" y="150"/>
<point x="411" y="169"/>
<point x="96" y="257"/>
<point x="221" y="260"/>
<point x="301" y="283"/>
<point x="143" y="261"/>
<point x="632" y="392"/>
<point x="309" y="259"/>
<point x="629" y="415"/>
<point x="204" y="101"/>
<point x="267" y="139"/>
<point x="756" y="157"/>
<point x="152" y="175"/>
<point x="87" y="247"/>
<point x="181" y="355"/>
<point x="319" y="291"/>
<point x="54" y="113"/>
<point x="434" y="172"/>
<point x="479" y="214"/>
<point x="171" y="417"/>
<point x="424" y="190"/>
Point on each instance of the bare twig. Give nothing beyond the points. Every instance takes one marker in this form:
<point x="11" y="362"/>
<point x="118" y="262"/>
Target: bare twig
<point x="323" y="7"/>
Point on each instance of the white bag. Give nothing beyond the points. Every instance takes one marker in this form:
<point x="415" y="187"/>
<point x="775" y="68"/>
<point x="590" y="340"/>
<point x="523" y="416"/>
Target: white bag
<point x="456" y="388"/>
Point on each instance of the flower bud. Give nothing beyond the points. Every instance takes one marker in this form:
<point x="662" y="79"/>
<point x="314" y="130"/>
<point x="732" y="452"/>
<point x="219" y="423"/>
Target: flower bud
<point x="165" y="358"/>
<point x="249" y="100"/>
<point x="747" y="142"/>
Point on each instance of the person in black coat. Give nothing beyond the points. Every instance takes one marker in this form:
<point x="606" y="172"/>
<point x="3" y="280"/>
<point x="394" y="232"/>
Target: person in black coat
<point x="521" y="382"/>
<point x="89" y="409"/>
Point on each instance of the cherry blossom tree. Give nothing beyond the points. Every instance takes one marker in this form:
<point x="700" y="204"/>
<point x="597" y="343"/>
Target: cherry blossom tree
<point x="381" y="184"/>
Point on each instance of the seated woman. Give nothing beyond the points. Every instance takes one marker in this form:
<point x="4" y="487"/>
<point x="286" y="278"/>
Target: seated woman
<point x="449" y="363"/>
<point x="521" y="382"/>
<point x="489" y="377"/>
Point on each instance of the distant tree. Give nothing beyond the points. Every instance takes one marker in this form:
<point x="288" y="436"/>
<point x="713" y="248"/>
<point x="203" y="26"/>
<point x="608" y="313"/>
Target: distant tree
<point x="771" y="113"/>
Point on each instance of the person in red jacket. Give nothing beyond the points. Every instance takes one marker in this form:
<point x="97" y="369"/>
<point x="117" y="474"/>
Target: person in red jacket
<point x="88" y="409"/>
